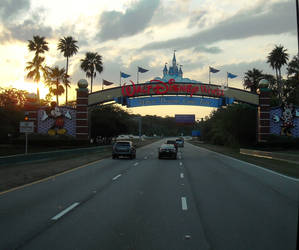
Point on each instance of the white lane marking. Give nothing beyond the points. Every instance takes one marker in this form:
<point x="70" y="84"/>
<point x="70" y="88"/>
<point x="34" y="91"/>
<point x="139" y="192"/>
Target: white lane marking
<point x="182" y="175"/>
<point x="56" y="217"/>
<point x="116" y="177"/>
<point x="135" y="164"/>
<point x="184" y="203"/>
<point x="181" y="163"/>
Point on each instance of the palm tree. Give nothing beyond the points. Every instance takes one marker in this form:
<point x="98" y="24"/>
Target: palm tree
<point x="54" y="78"/>
<point x="293" y="68"/>
<point x="67" y="46"/>
<point x="91" y="64"/>
<point x="252" y="78"/>
<point x="277" y="58"/>
<point x="39" y="46"/>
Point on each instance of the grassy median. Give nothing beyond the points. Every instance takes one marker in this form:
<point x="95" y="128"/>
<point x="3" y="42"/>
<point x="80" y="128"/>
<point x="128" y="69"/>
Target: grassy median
<point x="15" y="175"/>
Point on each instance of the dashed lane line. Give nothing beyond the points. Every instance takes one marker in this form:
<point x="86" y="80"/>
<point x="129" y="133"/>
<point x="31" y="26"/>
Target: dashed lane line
<point x="116" y="177"/>
<point x="62" y="213"/>
<point x="184" y="203"/>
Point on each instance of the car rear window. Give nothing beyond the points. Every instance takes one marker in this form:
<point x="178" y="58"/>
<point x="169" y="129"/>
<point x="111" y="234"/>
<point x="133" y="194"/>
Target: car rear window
<point x="122" y="144"/>
<point x="171" y="142"/>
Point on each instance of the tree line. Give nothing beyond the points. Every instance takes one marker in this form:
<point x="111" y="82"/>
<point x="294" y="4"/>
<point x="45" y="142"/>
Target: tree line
<point x="283" y="89"/>
<point x="109" y="121"/>
<point x="236" y="124"/>
<point x="58" y="79"/>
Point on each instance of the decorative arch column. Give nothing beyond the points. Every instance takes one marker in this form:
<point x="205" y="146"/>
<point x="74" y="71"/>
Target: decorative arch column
<point x="263" y="118"/>
<point x="82" y="110"/>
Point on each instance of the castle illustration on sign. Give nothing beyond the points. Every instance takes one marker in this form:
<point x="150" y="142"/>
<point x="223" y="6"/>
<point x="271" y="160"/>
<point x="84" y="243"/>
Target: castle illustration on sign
<point x="174" y="72"/>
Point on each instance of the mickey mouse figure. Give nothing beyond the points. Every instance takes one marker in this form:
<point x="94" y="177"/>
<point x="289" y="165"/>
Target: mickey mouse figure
<point x="287" y="118"/>
<point x="56" y="114"/>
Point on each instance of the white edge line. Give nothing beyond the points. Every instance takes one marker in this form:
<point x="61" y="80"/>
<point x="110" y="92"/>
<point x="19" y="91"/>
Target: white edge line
<point x="56" y="217"/>
<point x="184" y="203"/>
<point x="181" y="163"/>
<point x="136" y="163"/>
<point x="116" y="177"/>
<point x="265" y="169"/>
<point x="182" y="175"/>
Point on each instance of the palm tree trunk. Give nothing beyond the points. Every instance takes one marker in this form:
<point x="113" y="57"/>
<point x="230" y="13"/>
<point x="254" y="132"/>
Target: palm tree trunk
<point x="37" y="93"/>
<point x="91" y="81"/>
<point x="57" y="101"/>
<point x="67" y="67"/>
<point x="278" y="85"/>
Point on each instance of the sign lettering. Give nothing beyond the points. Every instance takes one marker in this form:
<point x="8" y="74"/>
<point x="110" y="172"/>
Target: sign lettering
<point x="162" y="88"/>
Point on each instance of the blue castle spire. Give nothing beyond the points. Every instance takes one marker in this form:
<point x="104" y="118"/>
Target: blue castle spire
<point x="173" y="71"/>
<point x="165" y="71"/>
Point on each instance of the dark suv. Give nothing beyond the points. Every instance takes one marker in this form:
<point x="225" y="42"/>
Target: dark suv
<point x="123" y="148"/>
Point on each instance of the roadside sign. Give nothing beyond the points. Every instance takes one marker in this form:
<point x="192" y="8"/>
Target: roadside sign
<point x="26" y="127"/>
<point x="185" y="119"/>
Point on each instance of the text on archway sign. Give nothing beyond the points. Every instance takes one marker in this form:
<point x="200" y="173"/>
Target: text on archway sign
<point x="160" y="88"/>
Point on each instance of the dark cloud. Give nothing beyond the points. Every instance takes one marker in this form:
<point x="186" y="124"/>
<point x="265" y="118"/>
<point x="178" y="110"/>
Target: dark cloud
<point x="115" y="24"/>
<point x="198" y="19"/>
<point x="210" y="50"/>
<point x="10" y="9"/>
<point x="26" y="29"/>
<point x="262" y="20"/>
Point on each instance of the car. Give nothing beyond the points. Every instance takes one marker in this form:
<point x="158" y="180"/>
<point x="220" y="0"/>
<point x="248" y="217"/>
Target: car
<point x="180" y="142"/>
<point x="167" y="151"/>
<point x="172" y="142"/>
<point x="123" y="148"/>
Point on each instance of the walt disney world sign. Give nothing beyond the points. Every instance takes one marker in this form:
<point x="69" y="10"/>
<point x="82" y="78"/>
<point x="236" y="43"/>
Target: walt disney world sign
<point x="171" y="87"/>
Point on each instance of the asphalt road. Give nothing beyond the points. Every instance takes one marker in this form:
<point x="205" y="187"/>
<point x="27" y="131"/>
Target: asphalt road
<point x="202" y="200"/>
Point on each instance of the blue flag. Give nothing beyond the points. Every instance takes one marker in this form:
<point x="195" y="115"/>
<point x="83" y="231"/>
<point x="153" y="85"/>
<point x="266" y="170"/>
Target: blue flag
<point x="213" y="70"/>
<point x="142" y="70"/>
<point x="124" y="75"/>
<point x="230" y="75"/>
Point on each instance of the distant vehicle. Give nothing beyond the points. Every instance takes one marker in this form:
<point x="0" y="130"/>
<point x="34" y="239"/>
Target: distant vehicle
<point x="124" y="148"/>
<point x="172" y="142"/>
<point x="180" y="142"/>
<point x="167" y="151"/>
<point x="123" y="137"/>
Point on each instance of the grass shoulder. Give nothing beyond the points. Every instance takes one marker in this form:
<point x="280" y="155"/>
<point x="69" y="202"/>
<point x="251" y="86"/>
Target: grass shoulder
<point x="280" y="166"/>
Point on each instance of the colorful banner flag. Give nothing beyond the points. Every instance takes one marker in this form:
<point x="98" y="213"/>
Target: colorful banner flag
<point x="213" y="70"/>
<point x="142" y="70"/>
<point x="107" y="83"/>
<point x="230" y="75"/>
<point x="124" y="75"/>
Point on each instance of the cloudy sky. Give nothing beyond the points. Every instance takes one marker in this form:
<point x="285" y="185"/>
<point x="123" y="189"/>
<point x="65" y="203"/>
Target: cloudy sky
<point x="230" y="35"/>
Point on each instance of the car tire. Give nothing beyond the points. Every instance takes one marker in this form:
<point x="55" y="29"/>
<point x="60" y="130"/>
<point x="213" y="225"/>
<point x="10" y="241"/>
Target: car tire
<point x="113" y="156"/>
